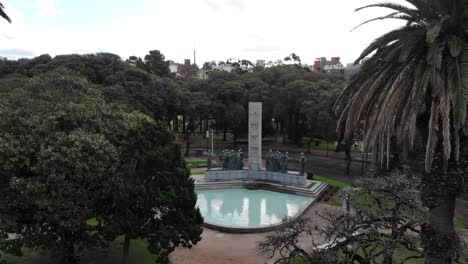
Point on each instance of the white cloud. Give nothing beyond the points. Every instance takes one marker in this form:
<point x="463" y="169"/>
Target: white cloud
<point x="220" y="29"/>
<point x="48" y="8"/>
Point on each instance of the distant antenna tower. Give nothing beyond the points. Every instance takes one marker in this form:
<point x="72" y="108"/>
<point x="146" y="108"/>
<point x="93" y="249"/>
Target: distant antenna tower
<point x="194" y="55"/>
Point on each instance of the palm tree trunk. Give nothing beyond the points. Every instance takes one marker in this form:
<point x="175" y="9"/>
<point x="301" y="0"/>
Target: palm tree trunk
<point x="126" y="249"/>
<point x="439" y="234"/>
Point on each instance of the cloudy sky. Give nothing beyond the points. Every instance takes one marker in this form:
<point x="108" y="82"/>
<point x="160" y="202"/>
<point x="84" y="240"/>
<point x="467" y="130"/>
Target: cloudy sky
<point x="219" y="29"/>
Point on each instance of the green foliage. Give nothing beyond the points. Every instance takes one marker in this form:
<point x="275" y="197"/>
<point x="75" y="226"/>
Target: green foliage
<point x="142" y="85"/>
<point x="332" y="182"/>
<point x="413" y="91"/>
<point x="139" y="254"/>
<point x="55" y="160"/>
<point x="67" y="156"/>
<point x="460" y="223"/>
<point x="156" y="63"/>
<point x="195" y="163"/>
<point x="152" y="182"/>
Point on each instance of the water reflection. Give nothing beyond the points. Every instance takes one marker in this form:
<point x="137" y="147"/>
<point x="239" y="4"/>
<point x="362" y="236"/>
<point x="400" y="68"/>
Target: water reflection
<point x="246" y="208"/>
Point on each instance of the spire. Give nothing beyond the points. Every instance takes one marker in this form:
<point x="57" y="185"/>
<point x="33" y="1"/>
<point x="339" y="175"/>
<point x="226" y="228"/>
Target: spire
<point x="194" y="55"/>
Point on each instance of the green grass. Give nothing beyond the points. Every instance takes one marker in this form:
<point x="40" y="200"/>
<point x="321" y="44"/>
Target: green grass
<point x="92" y="222"/>
<point x="460" y="223"/>
<point x="195" y="163"/>
<point x="332" y="182"/>
<point x="138" y="255"/>
<point x="197" y="173"/>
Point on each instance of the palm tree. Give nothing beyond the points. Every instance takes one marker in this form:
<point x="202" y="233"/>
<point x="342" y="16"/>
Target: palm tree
<point x="414" y="82"/>
<point x="3" y="14"/>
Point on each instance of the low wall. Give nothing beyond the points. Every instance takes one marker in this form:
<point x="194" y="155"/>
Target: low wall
<point x="262" y="175"/>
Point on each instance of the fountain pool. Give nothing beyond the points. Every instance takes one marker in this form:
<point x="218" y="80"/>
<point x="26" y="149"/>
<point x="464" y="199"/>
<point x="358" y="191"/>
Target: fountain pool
<point x="249" y="209"/>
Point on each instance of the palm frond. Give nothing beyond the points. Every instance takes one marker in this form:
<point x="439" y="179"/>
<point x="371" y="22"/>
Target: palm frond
<point x="415" y="13"/>
<point x="389" y="37"/>
<point x="425" y="7"/>
<point x="422" y="78"/>
<point x="432" y="136"/>
<point x="393" y="15"/>
<point x="444" y="110"/>
<point x="3" y="14"/>
<point x="460" y="94"/>
<point x="443" y="7"/>
<point x="434" y="29"/>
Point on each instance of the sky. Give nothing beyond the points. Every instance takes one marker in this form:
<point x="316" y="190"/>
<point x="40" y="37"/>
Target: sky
<point x="217" y="29"/>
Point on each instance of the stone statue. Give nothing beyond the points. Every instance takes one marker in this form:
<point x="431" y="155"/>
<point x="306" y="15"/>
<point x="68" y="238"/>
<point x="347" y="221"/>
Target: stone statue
<point x="269" y="161"/>
<point x="231" y="157"/>
<point x="224" y="158"/>
<point x="302" y="160"/>
<point x="241" y="159"/>
<point x="284" y="162"/>
<point x="276" y="161"/>
<point x="232" y="160"/>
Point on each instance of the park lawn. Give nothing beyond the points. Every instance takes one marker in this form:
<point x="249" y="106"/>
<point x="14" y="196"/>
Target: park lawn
<point x="139" y="253"/>
<point x="195" y="163"/>
<point x="331" y="182"/>
<point x="197" y="173"/>
<point x="337" y="201"/>
<point x="460" y="223"/>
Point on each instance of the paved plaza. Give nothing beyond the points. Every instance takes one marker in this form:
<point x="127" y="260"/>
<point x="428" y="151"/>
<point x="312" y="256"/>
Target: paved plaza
<point x="222" y="248"/>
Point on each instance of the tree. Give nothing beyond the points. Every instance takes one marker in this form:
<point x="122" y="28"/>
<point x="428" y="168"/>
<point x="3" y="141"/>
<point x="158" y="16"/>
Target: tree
<point x="68" y="156"/>
<point x="55" y="160"/>
<point x="157" y="64"/>
<point x="414" y="84"/>
<point x="152" y="196"/>
<point x="3" y="14"/>
<point x="384" y="219"/>
<point x="137" y="62"/>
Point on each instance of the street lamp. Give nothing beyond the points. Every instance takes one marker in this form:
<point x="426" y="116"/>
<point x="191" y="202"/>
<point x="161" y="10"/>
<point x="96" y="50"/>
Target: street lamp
<point x="207" y="139"/>
<point x="274" y="129"/>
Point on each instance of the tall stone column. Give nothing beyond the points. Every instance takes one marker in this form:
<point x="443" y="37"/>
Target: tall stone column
<point x="255" y="136"/>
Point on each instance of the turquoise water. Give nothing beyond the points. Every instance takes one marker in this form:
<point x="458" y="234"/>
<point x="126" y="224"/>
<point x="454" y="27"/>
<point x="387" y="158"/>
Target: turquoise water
<point x="248" y="208"/>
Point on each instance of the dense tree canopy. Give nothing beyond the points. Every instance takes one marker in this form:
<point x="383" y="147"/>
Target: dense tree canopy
<point x="218" y="102"/>
<point x="68" y="156"/>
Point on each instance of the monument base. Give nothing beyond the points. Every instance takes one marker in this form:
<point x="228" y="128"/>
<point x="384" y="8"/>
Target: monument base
<point x="290" y="178"/>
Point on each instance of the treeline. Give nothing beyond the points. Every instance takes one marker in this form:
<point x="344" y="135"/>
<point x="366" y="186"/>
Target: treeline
<point x="296" y="101"/>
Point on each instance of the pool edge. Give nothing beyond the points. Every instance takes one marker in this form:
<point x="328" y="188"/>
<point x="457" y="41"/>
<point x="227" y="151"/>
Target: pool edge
<point x="263" y="229"/>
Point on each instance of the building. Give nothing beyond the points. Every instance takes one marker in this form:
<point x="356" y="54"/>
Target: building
<point x="173" y="67"/>
<point x="181" y="70"/>
<point x="332" y="66"/>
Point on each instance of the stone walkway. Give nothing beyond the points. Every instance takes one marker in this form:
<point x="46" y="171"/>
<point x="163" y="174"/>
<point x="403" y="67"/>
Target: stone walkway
<point x="222" y="248"/>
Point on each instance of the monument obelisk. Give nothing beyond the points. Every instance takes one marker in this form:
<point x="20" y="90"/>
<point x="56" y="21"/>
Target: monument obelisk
<point x="255" y="136"/>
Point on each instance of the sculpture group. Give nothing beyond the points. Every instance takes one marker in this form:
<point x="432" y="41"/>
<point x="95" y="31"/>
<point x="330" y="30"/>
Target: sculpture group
<point x="277" y="161"/>
<point x="232" y="160"/>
